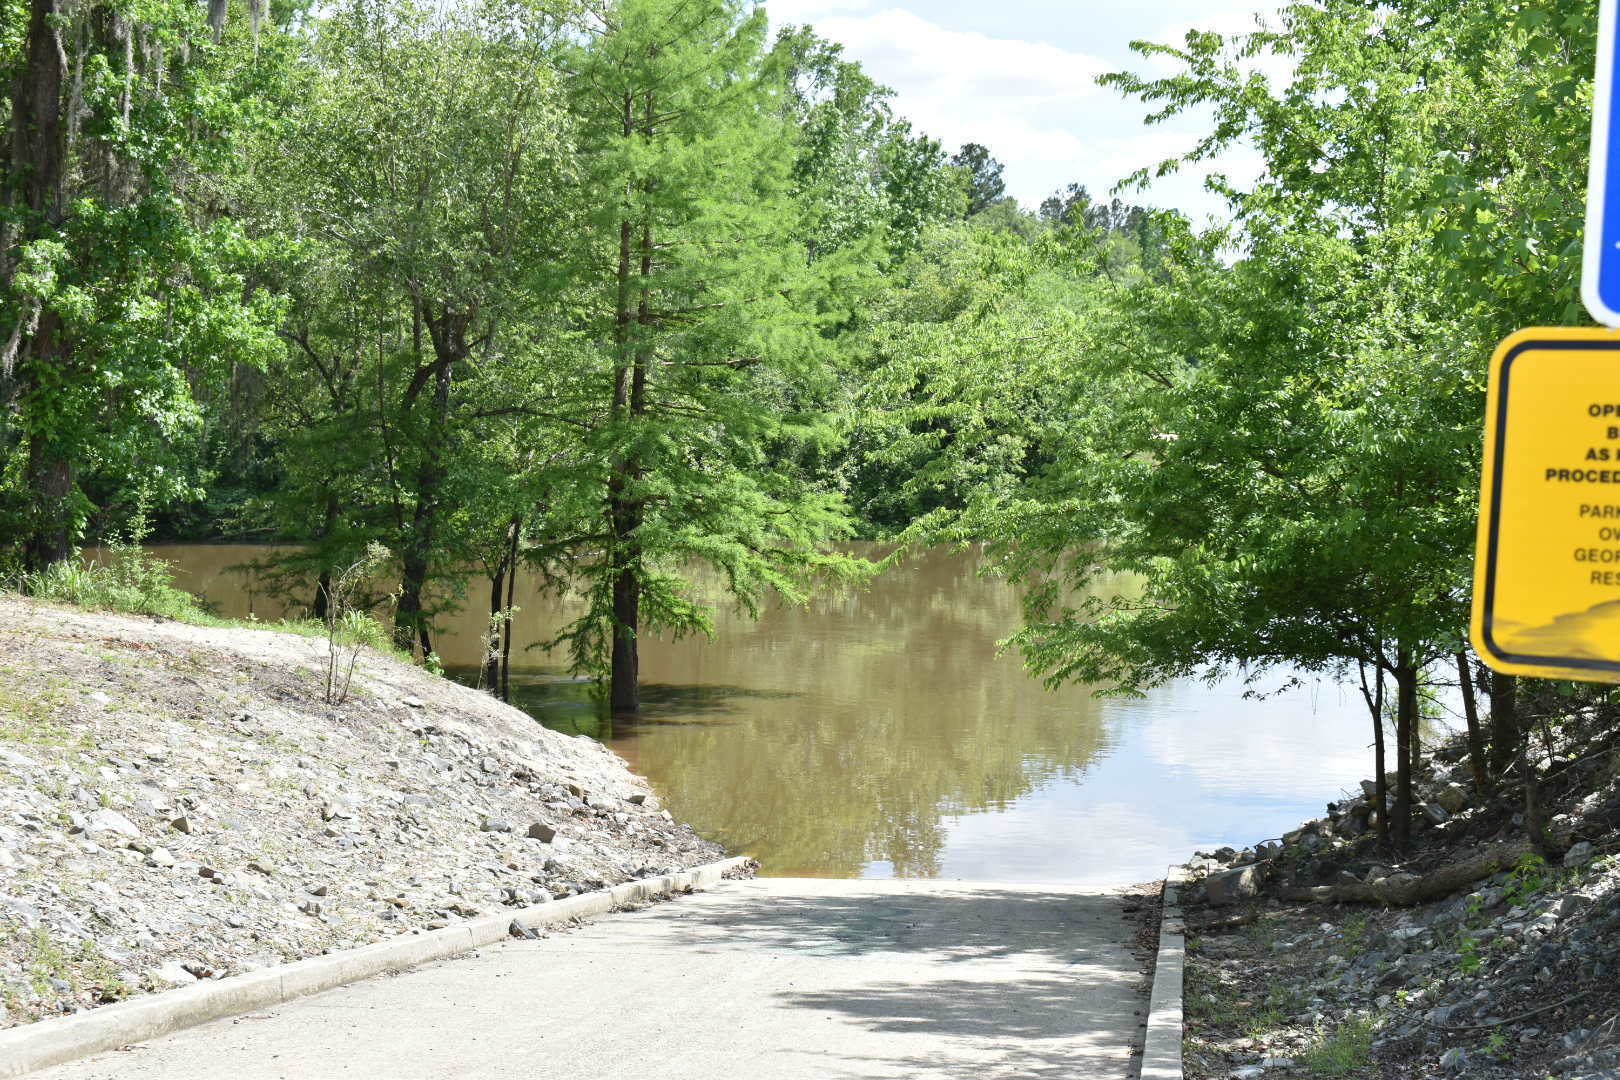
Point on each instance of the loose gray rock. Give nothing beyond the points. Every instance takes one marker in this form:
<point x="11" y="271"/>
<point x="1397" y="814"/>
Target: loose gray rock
<point x="1580" y="854"/>
<point x="1453" y="798"/>
<point x="1232" y="885"/>
<point x="1435" y="813"/>
<point x="494" y="824"/>
<point x="111" y="821"/>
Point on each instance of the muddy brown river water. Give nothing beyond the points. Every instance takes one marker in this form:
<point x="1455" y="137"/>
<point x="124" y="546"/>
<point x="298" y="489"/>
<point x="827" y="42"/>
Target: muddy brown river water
<point x="879" y="733"/>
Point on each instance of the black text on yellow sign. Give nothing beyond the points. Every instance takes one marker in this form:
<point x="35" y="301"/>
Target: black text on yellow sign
<point x="1547" y="564"/>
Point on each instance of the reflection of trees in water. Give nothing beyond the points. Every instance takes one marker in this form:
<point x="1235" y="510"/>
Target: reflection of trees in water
<point x="887" y="711"/>
<point x="827" y="737"/>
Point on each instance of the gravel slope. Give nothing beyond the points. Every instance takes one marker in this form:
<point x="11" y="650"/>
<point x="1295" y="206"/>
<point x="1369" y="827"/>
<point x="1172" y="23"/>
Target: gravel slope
<point x="178" y="802"/>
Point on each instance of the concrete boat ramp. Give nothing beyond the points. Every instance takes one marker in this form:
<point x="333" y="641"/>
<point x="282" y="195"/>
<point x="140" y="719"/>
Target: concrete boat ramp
<point x="774" y="979"/>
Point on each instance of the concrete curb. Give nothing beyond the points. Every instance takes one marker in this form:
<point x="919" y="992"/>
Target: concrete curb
<point x="51" y="1042"/>
<point x="1161" y="1046"/>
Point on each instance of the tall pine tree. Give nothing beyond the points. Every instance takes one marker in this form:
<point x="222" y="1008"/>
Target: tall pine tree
<point x="706" y="320"/>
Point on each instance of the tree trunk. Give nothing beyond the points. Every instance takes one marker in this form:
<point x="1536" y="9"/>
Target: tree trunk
<point x="35" y="192"/>
<point x="50" y="482"/>
<point x="1476" y="737"/>
<point x="490" y="678"/>
<point x="511" y="590"/>
<point x="410" y="620"/>
<point x="1402" y="890"/>
<point x="323" y="583"/>
<point x="1535" y="817"/>
<point x="1505" y="733"/>
<point x="1375" y="705"/>
<point x="1405" y="719"/>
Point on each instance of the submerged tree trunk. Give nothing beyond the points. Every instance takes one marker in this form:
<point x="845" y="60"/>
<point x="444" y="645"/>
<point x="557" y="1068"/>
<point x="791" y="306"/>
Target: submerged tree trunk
<point x="626" y="506"/>
<point x="323" y="583"/>
<point x="496" y="676"/>
<point x="490" y="678"/>
<point x="511" y="590"/>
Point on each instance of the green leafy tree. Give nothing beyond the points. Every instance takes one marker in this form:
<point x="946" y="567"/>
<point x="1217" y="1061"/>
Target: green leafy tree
<point x="705" y="320"/>
<point x="1276" y="431"/>
<point x="119" y="295"/>
<point x="982" y="174"/>
<point x="861" y="174"/>
<point x="437" y="245"/>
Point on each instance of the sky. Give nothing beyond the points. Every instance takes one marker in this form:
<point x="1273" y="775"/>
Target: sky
<point x="1019" y="76"/>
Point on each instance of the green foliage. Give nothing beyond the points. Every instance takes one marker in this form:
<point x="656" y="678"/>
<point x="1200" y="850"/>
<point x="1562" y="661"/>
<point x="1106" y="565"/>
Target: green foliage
<point x="1344" y="1052"/>
<point x="128" y="580"/>
<point x="121" y="297"/>
<point x="1527" y="878"/>
<point x="706" y="352"/>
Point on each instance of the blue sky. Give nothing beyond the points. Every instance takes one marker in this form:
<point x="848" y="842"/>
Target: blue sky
<point x="1019" y="76"/>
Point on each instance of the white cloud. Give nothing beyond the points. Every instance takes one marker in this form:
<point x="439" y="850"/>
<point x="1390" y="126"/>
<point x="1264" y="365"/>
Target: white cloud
<point x="1036" y="105"/>
<point x="1016" y="96"/>
<point x="797" y="12"/>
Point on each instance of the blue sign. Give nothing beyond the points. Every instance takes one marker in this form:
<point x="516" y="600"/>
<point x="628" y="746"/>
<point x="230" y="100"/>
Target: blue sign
<point x="1600" y="276"/>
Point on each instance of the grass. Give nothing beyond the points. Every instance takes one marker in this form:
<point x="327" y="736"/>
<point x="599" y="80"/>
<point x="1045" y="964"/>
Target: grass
<point x="30" y="715"/>
<point x="133" y="582"/>
<point x="1346" y="1052"/>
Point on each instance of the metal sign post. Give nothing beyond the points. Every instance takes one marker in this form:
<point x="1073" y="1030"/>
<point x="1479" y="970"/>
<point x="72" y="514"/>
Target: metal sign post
<point x="1600" y="272"/>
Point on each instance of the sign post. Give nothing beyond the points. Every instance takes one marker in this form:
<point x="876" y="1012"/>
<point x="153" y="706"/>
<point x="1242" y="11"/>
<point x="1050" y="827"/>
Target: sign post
<point x="1600" y="271"/>
<point x="1547" y="562"/>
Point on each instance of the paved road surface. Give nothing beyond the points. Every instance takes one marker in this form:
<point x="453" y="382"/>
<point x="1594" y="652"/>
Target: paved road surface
<point x="774" y="979"/>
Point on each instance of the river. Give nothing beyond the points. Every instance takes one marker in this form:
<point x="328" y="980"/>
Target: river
<point x="879" y="733"/>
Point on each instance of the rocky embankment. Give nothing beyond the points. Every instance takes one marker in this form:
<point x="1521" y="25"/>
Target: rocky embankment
<point x="179" y="803"/>
<point x="1317" y="954"/>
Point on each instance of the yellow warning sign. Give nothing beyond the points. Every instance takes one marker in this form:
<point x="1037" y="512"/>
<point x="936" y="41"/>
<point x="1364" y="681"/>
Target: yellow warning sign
<point x="1547" y="564"/>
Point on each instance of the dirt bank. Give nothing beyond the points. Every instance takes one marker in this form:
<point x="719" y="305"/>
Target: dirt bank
<point x="179" y="802"/>
<point x="1470" y="956"/>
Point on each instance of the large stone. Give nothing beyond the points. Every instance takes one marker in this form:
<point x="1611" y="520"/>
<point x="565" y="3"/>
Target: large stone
<point x="1580" y="854"/>
<point x="1435" y="813"/>
<point x="1230" y="886"/>
<point x="111" y="821"/>
<point x="1453" y="798"/>
<point x="542" y="832"/>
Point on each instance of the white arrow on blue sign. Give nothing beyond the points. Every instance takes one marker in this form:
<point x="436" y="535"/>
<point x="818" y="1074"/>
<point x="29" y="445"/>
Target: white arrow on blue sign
<point x="1600" y="276"/>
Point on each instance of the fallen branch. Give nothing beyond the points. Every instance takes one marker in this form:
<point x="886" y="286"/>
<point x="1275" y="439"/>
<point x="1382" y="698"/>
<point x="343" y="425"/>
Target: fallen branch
<point x="1221" y="926"/>
<point x="1404" y="890"/>
<point x="1511" y="1019"/>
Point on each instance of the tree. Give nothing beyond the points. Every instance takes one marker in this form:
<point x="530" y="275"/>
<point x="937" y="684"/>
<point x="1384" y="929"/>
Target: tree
<point x="704" y="320"/>
<point x="119" y="297"/>
<point x="982" y="174"/>
<point x="861" y="174"/>
<point x="439" y="239"/>
<point x="1277" y="430"/>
